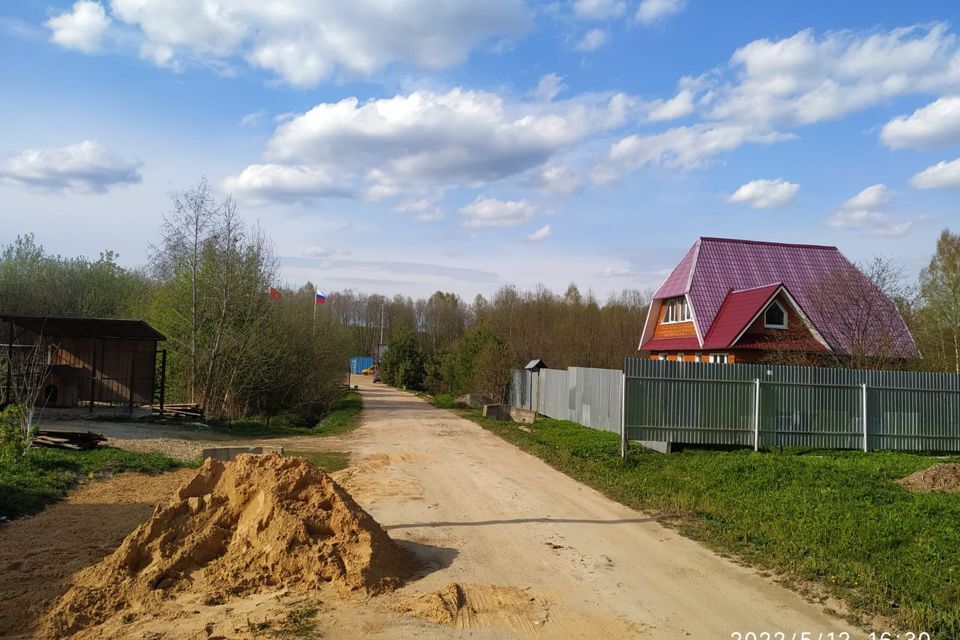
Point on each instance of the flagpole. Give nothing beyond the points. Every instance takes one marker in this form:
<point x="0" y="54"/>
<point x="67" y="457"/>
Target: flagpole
<point x="314" y="326"/>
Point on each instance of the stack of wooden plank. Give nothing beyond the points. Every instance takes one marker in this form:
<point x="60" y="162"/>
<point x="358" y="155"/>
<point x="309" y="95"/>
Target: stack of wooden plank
<point x="75" y="440"/>
<point x="190" y="411"/>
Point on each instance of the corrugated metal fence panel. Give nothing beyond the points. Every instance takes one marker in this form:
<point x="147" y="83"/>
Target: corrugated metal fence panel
<point x="799" y="406"/>
<point x="820" y="416"/>
<point x="913" y="419"/>
<point x="590" y="397"/>
<point x="690" y="411"/>
<point x="554" y="394"/>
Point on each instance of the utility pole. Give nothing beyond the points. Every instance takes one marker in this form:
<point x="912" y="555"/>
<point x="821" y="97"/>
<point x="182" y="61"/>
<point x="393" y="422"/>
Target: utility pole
<point x="380" y="345"/>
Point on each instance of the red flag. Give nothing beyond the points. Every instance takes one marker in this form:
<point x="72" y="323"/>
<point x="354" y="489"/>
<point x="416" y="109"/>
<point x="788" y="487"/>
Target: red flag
<point x="274" y="294"/>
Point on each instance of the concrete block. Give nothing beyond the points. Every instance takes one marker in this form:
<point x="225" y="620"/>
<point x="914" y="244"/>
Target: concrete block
<point x="228" y="454"/>
<point x="656" y="445"/>
<point x="524" y="416"/>
<point x="497" y="412"/>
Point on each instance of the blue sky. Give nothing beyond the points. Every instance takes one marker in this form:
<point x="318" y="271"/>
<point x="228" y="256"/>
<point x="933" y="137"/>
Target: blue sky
<point x="416" y="145"/>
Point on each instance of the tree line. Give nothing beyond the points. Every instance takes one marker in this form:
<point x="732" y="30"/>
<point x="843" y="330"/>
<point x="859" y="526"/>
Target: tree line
<point x="239" y="351"/>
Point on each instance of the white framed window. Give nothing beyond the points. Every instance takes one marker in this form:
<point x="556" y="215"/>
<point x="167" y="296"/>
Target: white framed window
<point x="720" y="358"/>
<point x="677" y="310"/>
<point x="662" y="356"/>
<point x="775" y="316"/>
<point x="680" y="357"/>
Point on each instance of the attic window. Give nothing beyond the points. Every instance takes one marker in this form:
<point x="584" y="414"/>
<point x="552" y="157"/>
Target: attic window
<point x="677" y="310"/>
<point x="775" y="317"/>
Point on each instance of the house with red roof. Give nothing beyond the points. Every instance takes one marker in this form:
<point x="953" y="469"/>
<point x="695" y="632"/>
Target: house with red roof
<point x="747" y="301"/>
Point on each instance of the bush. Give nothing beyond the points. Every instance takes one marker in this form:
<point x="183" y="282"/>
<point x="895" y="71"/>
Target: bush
<point x="480" y="363"/>
<point x="13" y="442"/>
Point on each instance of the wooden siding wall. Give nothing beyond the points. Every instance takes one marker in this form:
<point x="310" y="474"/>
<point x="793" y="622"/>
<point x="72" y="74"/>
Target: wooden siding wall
<point x="116" y="367"/>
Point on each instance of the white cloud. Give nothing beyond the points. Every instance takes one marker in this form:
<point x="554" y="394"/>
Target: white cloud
<point x="765" y="194"/>
<point x="549" y="87"/>
<point x="865" y="212"/>
<point x="425" y="209"/>
<point x="556" y="180"/>
<point x="252" y="119"/>
<point x="83" y="167"/>
<point x="616" y="272"/>
<point x="805" y="79"/>
<point x="592" y="40"/>
<point x="427" y="140"/>
<point x="491" y="212"/>
<point x="539" y="235"/>
<point x="873" y="197"/>
<point x="651" y="11"/>
<point x="83" y="28"/>
<point x="322" y="252"/>
<point x="306" y="41"/>
<point x="599" y="9"/>
<point x="934" y="126"/>
<point x="875" y="222"/>
<point x="260" y="183"/>
<point x="770" y="86"/>
<point x="943" y="175"/>
<point x="676" y="107"/>
<point x="680" y="147"/>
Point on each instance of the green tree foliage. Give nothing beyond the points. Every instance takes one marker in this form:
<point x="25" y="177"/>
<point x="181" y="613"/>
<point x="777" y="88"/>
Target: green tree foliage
<point x="34" y="282"/>
<point x="403" y="364"/>
<point x="937" y="323"/>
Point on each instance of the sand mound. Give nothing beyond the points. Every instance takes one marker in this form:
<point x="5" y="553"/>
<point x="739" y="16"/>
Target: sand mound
<point x="940" y="477"/>
<point x="478" y="606"/>
<point x="263" y="521"/>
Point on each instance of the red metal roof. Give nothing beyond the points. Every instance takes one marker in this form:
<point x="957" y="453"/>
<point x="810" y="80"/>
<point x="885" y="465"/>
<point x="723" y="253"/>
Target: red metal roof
<point x="671" y="344"/>
<point x="714" y="266"/>
<point x="736" y="312"/>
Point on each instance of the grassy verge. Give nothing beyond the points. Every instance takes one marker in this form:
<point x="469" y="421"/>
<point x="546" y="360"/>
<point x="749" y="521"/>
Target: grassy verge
<point x="329" y="460"/>
<point x="344" y="417"/>
<point x="831" y="518"/>
<point x="46" y="475"/>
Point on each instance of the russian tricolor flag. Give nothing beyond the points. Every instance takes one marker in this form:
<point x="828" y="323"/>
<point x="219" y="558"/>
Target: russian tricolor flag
<point x="321" y="299"/>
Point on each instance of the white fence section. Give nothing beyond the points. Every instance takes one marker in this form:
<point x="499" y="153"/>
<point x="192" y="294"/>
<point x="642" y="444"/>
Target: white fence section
<point x="591" y="397"/>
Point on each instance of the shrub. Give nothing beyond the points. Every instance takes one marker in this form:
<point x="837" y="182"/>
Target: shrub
<point x="13" y="441"/>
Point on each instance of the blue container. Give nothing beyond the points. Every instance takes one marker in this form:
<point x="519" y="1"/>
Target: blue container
<point x="359" y="363"/>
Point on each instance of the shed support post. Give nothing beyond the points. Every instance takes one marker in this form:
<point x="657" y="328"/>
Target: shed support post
<point x="163" y="378"/>
<point x="756" y="414"/>
<point x="133" y="380"/>
<point x="93" y="369"/>
<point x="623" y="415"/>
<point x="6" y="396"/>
<point x="864" y="402"/>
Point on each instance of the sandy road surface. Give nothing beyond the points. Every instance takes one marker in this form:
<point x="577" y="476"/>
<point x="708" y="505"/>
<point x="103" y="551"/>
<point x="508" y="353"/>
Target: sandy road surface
<point x="487" y="513"/>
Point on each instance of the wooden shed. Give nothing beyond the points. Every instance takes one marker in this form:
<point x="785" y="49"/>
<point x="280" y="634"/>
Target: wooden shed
<point x="89" y="362"/>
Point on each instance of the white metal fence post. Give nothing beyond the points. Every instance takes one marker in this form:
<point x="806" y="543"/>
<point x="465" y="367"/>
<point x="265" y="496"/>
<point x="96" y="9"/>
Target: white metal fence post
<point x="756" y="414"/>
<point x="864" y="416"/>
<point x="623" y="415"/>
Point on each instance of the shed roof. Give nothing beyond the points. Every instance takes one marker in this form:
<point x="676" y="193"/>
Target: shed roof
<point x="61" y="327"/>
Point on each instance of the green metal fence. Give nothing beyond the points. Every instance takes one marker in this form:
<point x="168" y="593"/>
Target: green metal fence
<point x="759" y="405"/>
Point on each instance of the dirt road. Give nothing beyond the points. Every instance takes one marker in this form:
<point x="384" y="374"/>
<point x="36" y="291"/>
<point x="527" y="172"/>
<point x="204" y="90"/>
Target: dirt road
<point x="486" y="513"/>
<point x="509" y="548"/>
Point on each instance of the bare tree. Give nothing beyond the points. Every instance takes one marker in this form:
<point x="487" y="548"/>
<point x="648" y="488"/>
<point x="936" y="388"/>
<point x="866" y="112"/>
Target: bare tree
<point x="866" y="328"/>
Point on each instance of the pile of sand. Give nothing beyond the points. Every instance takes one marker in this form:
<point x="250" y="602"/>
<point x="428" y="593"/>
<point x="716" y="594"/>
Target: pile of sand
<point x="261" y="522"/>
<point x="943" y="477"/>
<point x="478" y="606"/>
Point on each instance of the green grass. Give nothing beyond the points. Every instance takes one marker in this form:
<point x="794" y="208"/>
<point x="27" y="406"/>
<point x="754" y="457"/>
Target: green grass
<point x="344" y="417"/>
<point x="47" y="475"/>
<point x="831" y="518"/>
<point x="329" y="460"/>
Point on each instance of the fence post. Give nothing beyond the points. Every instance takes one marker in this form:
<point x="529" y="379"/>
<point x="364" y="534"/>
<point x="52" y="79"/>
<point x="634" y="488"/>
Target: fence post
<point x="756" y="414"/>
<point x="623" y="415"/>
<point x="864" y="398"/>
